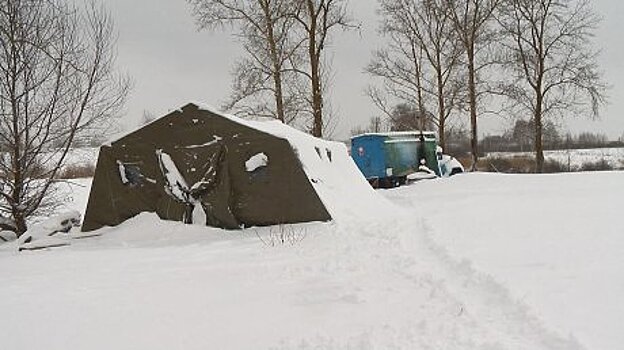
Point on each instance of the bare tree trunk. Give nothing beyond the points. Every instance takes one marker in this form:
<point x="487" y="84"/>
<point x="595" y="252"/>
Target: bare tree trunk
<point x="472" y="20"/>
<point x="316" y="20"/>
<point x="472" y="98"/>
<point x="276" y="60"/>
<point x="441" y="110"/>
<point x="539" y="148"/>
<point x="417" y="57"/>
<point x="315" y="67"/>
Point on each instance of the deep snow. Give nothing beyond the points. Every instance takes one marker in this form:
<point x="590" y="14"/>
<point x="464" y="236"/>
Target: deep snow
<point x="556" y="241"/>
<point x="453" y="263"/>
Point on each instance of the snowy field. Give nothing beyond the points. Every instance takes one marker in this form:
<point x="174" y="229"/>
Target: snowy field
<point x="555" y="241"/>
<point x="477" y="261"/>
<point x="575" y="157"/>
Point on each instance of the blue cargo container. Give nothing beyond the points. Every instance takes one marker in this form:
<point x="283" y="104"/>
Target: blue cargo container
<point x="386" y="159"/>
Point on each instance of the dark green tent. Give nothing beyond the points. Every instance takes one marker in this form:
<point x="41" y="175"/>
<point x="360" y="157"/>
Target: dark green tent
<point x="194" y="165"/>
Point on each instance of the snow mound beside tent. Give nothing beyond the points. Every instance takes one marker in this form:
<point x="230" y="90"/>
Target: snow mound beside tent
<point x="44" y="234"/>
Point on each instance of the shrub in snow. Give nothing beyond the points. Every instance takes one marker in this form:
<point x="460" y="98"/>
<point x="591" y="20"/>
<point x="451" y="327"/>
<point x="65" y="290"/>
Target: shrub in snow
<point x="282" y="235"/>
<point x="599" y="165"/>
<point x="77" y="171"/>
<point x="521" y="164"/>
<point x="554" y="166"/>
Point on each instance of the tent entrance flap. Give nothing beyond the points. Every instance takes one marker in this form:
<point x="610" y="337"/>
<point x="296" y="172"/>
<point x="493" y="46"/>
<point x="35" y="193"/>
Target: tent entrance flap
<point x="197" y="178"/>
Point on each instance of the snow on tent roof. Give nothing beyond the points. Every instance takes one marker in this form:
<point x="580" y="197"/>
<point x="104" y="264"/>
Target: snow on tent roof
<point x="270" y="126"/>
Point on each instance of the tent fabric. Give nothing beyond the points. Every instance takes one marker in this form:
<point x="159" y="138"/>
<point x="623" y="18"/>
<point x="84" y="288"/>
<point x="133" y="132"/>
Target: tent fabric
<point x="194" y="159"/>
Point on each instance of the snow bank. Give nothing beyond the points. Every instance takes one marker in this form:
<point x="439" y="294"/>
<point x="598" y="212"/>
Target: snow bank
<point x="370" y="283"/>
<point x="40" y="235"/>
<point x="7" y="236"/>
<point x="554" y="241"/>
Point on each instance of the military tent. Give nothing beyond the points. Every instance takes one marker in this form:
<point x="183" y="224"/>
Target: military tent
<point x="199" y="166"/>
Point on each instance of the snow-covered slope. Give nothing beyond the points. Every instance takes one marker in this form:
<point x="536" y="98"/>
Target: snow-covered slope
<point x="555" y="241"/>
<point x="393" y="278"/>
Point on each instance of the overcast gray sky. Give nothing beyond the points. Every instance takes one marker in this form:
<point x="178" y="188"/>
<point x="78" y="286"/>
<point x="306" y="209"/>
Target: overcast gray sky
<point x="172" y="63"/>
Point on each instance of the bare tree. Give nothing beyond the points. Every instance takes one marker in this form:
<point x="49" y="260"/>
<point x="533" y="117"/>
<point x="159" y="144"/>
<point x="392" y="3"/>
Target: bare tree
<point x="316" y="20"/>
<point x="473" y="21"/>
<point x="401" y="66"/>
<point x="554" y="64"/>
<point x="263" y="83"/>
<point x="57" y="82"/>
<point x="422" y="58"/>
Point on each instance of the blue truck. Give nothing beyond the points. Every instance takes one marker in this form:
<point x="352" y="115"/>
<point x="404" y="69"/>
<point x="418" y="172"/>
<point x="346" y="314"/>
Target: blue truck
<point x="392" y="158"/>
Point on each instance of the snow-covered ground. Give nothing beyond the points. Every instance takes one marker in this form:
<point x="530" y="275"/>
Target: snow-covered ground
<point x="576" y="157"/>
<point x="477" y="261"/>
<point x="82" y="156"/>
<point x="555" y="241"/>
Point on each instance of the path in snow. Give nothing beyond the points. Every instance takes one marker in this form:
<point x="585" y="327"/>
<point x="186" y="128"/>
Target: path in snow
<point x="437" y="302"/>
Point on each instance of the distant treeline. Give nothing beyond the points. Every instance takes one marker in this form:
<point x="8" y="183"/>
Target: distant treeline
<point x="521" y="138"/>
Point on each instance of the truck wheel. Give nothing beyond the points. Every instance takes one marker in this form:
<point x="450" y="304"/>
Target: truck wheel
<point x="402" y="180"/>
<point x="456" y="171"/>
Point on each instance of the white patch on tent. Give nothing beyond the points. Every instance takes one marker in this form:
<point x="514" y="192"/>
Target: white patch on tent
<point x="122" y="173"/>
<point x="150" y="180"/>
<point x="195" y="121"/>
<point x="198" y="184"/>
<point x="177" y="184"/>
<point x="257" y="161"/>
<point x="199" y="215"/>
<point x="209" y="143"/>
